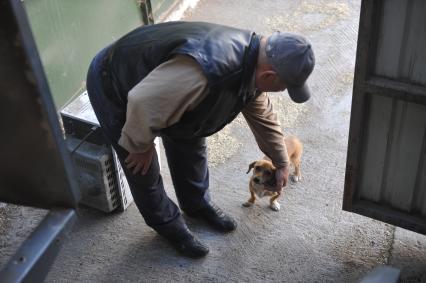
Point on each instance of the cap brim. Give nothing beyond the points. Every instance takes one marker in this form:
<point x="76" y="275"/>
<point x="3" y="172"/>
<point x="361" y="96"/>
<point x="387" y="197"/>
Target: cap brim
<point x="299" y="94"/>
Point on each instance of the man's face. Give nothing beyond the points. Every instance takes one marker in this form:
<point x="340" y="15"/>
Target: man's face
<point x="277" y="85"/>
<point x="268" y="81"/>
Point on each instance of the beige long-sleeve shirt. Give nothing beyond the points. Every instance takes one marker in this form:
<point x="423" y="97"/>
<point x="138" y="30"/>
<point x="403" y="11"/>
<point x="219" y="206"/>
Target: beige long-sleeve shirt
<point x="178" y="85"/>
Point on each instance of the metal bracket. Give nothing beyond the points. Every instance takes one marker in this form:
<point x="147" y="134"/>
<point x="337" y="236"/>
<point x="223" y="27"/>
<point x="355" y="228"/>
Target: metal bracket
<point x="32" y="261"/>
<point x="146" y="12"/>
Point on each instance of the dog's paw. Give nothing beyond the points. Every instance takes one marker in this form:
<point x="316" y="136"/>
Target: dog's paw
<point x="275" y="206"/>
<point x="295" y="178"/>
<point x="247" y="204"/>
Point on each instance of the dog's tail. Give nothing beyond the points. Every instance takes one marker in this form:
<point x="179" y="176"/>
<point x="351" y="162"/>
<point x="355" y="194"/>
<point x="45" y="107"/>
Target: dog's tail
<point x="296" y="146"/>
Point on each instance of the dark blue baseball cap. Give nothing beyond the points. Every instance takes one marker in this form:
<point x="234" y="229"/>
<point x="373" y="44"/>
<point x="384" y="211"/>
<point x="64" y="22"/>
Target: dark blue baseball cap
<point x="292" y="57"/>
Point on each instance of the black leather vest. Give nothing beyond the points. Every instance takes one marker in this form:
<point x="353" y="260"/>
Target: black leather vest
<point x="227" y="56"/>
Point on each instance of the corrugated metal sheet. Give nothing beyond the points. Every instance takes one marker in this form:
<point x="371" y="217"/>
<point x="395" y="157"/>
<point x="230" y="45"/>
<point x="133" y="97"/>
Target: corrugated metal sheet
<point x="394" y="154"/>
<point x="401" y="41"/>
<point x="386" y="166"/>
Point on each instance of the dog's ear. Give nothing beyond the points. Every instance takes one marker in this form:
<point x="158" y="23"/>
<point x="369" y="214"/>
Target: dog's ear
<point x="251" y="166"/>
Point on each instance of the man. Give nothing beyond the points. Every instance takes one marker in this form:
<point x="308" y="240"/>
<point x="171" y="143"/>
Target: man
<point x="183" y="81"/>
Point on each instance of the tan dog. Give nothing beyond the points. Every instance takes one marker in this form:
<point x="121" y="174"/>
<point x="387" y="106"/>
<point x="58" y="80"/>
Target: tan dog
<point x="264" y="174"/>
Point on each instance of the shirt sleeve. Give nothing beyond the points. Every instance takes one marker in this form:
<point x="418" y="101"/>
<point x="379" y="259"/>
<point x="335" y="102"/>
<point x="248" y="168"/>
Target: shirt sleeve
<point x="266" y="129"/>
<point x="160" y="100"/>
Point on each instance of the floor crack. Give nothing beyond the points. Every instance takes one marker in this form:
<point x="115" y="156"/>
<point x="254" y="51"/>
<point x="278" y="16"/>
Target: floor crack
<point x="390" y="240"/>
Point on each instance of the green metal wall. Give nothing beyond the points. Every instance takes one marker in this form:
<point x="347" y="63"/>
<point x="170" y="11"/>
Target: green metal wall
<point x="69" y="33"/>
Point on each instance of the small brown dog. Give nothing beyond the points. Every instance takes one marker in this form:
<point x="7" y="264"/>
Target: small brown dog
<point x="264" y="174"/>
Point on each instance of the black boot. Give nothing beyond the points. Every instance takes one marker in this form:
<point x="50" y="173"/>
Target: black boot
<point x="184" y="241"/>
<point x="215" y="216"/>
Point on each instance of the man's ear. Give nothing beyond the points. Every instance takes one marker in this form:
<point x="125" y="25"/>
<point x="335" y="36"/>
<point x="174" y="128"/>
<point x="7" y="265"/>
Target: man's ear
<point x="251" y="166"/>
<point x="268" y="75"/>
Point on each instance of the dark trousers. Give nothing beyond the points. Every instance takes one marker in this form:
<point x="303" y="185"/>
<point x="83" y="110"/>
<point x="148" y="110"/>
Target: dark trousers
<point x="187" y="160"/>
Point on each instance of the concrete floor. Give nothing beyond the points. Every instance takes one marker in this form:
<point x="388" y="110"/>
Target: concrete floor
<point x="311" y="239"/>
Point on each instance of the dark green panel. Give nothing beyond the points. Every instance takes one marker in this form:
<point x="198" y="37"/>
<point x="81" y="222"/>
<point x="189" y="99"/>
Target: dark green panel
<point x="69" y="33"/>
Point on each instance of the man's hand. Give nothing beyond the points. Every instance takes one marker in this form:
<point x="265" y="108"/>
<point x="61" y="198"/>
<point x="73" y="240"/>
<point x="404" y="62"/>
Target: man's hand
<point x="140" y="161"/>
<point x="281" y="176"/>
